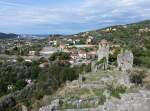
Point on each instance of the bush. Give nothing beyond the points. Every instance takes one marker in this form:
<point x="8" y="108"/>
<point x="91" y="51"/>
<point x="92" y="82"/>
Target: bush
<point x="116" y="91"/>
<point x="20" y="59"/>
<point x="60" y="56"/>
<point x="20" y="84"/>
<point x="137" y="76"/>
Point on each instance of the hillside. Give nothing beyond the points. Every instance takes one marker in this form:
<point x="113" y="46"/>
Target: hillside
<point x="100" y="91"/>
<point x="134" y="36"/>
<point x="55" y="83"/>
<point x="6" y="36"/>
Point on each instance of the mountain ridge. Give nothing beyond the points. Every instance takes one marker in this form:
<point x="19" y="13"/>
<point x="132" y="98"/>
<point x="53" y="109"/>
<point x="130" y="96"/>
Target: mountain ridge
<point x="7" y="36"/>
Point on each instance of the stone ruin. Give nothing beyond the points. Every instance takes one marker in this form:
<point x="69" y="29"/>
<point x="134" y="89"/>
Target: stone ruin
<point x="102" y="52"/>
<point x="54" y="106"/>
<point x="125" y="60"/>
<point x="138" y="101"/>
<point x="94" y="67"/>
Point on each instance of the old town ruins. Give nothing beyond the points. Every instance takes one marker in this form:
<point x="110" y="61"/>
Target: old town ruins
<point x="101" y="78"/>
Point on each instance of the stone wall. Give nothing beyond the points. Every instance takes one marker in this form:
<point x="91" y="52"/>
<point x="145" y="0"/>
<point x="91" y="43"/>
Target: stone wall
<point x="125" y="60"/>
<point x="103" y="52"/>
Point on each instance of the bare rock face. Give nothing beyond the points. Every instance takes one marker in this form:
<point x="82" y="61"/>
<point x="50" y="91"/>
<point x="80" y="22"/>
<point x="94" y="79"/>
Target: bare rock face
<point x="125" y="60"/>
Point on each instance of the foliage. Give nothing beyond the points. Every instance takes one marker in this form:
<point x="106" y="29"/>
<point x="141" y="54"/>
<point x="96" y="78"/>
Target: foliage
<point x="20" y="59"/>
<point x="113" y="56"/>
<point x="130" y="37"/>
<point x="59" y="56"/>
<point x="103" y="60"/>
<point x="46" y="80"/>
<point x="15" y="74"/>
<point x="20" y="84"/>
<point x="137" y="76"/>
<point x="117" y="90"/>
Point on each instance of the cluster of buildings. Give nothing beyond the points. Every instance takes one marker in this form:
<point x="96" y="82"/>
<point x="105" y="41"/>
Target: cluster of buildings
<point x="79" y="53"/>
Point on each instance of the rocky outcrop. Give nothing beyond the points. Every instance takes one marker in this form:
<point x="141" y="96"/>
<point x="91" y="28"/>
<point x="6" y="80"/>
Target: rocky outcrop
<point x="125" y="60"/>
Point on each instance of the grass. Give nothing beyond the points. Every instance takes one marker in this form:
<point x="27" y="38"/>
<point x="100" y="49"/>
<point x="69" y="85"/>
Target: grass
<point x="116" y="91"/>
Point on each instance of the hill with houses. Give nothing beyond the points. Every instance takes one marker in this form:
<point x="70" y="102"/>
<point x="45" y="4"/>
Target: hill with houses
<point x="127" y="46"/>
<point x="135" y="36"/>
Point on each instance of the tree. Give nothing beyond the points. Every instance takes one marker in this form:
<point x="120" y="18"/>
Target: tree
<point x="59" y="56"/>
<point x="20" y="59"/>
<point x="20" y="84"/>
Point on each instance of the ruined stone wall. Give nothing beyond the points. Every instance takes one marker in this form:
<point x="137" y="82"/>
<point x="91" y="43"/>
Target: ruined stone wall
<point x="103" y="51"/>
<point x="125" y="60"/>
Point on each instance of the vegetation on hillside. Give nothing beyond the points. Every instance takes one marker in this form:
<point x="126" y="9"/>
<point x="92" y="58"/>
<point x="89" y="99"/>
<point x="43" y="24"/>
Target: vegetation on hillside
<point x="133" y="36"/>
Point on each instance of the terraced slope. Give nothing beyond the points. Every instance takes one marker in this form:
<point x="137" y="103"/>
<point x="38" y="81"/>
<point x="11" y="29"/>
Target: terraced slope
<point x="89" y="91"/>
<point x="97" y="92"/>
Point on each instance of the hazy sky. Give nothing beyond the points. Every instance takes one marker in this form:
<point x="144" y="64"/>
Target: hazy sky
<point x="68" y="16"/>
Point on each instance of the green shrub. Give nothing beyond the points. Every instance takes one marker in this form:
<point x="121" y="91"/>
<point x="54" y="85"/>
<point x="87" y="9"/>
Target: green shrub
<point x="59" y="56"/>
<point x="116" y="91"/>
<point x="137" y="76"/>
<point x="20" y="59"/>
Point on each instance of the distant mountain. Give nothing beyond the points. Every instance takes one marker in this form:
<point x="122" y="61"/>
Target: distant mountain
<point x="7" y="36"/>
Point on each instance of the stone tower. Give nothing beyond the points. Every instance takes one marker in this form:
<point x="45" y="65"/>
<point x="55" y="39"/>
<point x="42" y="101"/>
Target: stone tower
<point x="103" y="51"/>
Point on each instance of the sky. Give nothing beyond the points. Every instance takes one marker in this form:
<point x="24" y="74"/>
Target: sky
<point x="68" y="16"/>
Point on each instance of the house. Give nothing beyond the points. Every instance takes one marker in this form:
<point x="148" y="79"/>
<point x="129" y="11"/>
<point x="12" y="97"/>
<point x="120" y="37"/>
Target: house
<point x="89" y="40"/>
<point x="82" y="54"/>
<point x="28" y="43"/>
<point x="32" y="53"/>
<point x="53" y="43"/>
<point x="62" y="47"/>
<point x="92" y="54"/>
<point x="74" y="53"/>
<point x="74" y="56"/>
<point x="114" y="29"/>
<point x="69" y="40"/>
<point x="77" y="40"/>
